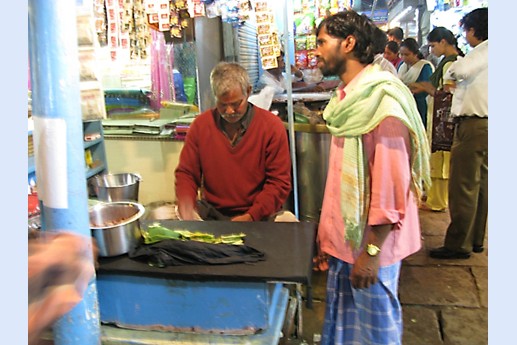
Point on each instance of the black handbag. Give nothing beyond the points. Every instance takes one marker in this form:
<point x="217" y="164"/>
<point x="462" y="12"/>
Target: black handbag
<point x="443" y="126"/>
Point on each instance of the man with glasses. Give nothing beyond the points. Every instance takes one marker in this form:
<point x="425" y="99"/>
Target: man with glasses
<point x="237" y="154"/>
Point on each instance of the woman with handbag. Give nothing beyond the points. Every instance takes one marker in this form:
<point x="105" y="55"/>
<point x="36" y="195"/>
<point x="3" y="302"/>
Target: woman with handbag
<point x="442" y="43"/>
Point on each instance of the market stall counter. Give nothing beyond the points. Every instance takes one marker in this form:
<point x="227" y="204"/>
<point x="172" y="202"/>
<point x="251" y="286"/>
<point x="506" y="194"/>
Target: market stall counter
<point x="231" y="304"/>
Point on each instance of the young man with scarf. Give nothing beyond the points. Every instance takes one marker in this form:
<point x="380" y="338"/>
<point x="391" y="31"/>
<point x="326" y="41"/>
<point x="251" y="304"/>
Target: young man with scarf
<point x="378" y="164"/>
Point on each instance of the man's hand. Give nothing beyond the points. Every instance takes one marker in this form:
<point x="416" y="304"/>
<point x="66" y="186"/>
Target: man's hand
<point x="365" y="271"/>
<point x="366" y="268"/>
<point x="186" y="211"/>
<point x="320" y="262"/>
<point x="242" y="218"/>
<point x="60" y="266"/>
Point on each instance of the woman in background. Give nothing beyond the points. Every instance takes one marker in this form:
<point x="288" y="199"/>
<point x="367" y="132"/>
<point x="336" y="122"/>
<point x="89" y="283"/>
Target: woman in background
<point x="391" y="53"/>
<point x="443" y="44"/>
<point x="415" y="69"/>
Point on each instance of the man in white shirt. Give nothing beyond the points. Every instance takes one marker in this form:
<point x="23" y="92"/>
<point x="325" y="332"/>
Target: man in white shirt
<point x="276" y="77"/>
<point x="468" y="180"/>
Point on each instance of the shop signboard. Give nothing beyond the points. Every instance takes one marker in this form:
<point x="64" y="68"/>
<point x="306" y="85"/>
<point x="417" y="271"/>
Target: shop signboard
<point x="397" y="7"/>
<point x="380" y="16"/>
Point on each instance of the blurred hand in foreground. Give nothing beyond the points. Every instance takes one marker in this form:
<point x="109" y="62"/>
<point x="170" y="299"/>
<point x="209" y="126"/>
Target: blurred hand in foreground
<point x="60" y="265"/>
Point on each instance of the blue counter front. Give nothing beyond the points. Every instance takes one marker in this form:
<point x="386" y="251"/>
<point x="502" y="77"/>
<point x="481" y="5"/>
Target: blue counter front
<point x="229" y="304"/>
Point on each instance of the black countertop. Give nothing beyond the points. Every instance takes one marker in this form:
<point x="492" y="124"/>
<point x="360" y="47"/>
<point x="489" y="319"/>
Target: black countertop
<point x="288" y="248"/>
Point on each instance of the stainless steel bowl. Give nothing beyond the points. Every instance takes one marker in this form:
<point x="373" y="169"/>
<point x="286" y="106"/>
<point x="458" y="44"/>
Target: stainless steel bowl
<point x="116" y="187"/>
<point x="116" y="226"/>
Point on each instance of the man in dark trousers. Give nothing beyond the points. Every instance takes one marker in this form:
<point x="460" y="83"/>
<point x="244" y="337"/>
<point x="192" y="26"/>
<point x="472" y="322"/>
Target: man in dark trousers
<point x="468" y="178"/>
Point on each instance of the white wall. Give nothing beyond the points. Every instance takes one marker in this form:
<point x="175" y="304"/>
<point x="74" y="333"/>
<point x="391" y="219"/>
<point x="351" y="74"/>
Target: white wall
<point x="154" y="160"/>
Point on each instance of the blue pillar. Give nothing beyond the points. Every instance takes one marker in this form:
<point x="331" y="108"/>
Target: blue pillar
<point x="58" y="143"/>
<point x="290" y="114"/>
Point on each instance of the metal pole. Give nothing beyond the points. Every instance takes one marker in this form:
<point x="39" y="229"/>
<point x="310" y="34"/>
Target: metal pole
<point x="290" y="117"/>
<point x="58" y="143"/>
<point x="373" y="8"/>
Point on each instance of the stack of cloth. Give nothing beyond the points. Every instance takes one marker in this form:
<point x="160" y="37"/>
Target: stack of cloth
<point x="130" y="102"/>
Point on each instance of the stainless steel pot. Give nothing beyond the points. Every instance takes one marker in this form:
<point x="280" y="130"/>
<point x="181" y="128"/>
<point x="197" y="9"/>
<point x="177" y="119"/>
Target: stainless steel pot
<point x="312" y="155"/>
<point x="116" y="226"/>
<point x="116" y="187"/>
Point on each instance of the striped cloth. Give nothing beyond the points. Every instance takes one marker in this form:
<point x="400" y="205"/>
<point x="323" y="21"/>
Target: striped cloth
<point x="370" y="316"/>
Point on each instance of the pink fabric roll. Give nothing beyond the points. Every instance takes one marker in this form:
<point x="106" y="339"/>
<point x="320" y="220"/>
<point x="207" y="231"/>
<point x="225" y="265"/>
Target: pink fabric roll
<point x="162" y="62"/>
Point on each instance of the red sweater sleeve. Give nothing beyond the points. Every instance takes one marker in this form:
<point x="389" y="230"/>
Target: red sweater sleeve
<point x="188" y="171"/>
<point x="277" y="184"/>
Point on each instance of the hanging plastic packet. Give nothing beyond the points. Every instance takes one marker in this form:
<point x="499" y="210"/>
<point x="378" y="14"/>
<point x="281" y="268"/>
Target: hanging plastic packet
<point x="244" y="10"/>
<point x="184" y="18"/>
<point x="85" y="32"/>
<point x="88" y="64"/>
<point x="230" y="12"/>
<point x="212" y="9"/>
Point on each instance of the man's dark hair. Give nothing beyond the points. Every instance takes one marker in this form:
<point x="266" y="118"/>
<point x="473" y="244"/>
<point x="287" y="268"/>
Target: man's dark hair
<point x="477" y="19"/>
<point x="396" y="32"/>
<point x="346" y="23"/>
<point x="379" y="40"/>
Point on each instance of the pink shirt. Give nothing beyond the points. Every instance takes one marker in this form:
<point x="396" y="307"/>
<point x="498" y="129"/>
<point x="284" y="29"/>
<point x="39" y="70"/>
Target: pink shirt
<point x="387" y="150"/>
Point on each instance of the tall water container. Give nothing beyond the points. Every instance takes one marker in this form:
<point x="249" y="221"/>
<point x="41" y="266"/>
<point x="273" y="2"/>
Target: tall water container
<point x="312" y="156"/>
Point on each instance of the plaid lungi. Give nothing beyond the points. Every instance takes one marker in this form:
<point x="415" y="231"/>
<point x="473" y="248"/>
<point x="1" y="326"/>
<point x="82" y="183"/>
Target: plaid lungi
<point x="370" y="316"/>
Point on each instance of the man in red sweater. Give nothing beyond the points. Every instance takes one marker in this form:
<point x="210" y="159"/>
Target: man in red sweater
<point x="237" y="152"/>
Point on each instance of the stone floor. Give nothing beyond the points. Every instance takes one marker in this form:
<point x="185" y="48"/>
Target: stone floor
<point x="443" y="301"/>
